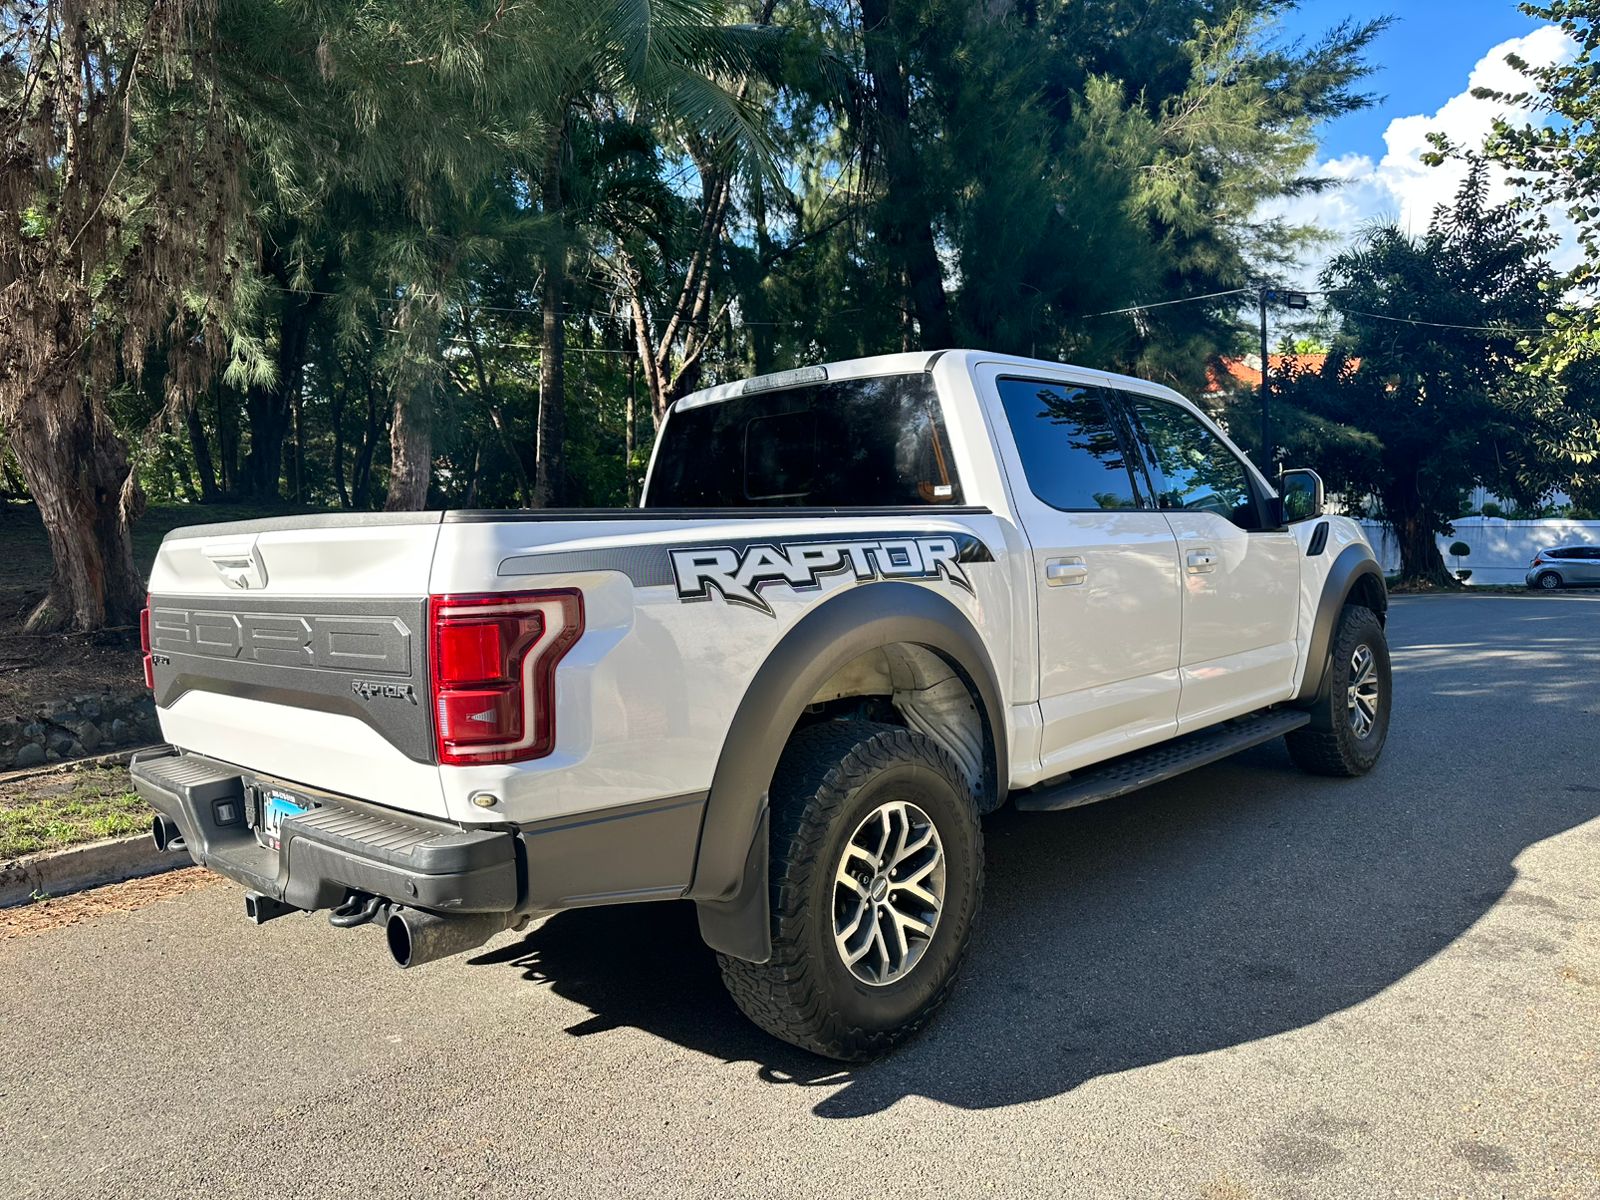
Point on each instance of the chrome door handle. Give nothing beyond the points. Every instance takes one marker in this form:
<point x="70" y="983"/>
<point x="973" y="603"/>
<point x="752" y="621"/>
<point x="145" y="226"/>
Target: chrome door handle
<point x="1066" y="572"/>
<point x="1202" y="562"/>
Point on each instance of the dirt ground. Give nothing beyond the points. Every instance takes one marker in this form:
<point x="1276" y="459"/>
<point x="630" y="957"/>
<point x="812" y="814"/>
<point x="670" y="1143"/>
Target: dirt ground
<point x="37" y="671"/>
<point x="30" y="920"/>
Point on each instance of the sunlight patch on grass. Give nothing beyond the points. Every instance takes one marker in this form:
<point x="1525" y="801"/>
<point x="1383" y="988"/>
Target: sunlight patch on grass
<point x="81" y="807"/>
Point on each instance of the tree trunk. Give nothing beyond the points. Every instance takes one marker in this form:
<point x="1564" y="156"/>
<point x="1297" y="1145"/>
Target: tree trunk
<point x="361" y="471"/>
<point x="629" y="434"/>
<point x="410" y="448"/>
<point x="297" y="477"/>
<point x="227" y="442"/>
<point x="1420" y="560"/>
<point x="497" y="416"/>
<point x="336" y="406"/>
<point x="763" y="337"/>
<point x="78" y="473"/>
<point x="268" y="407"/>
<point x="201" y="449"/>
<point x="908" y="224"/>
<point x="471" y="498"/>
<point x="186" y="490"/>
<point x="549" y="486"/>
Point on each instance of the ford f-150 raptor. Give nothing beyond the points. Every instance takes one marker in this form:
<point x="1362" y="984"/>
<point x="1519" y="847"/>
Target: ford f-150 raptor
<point x="861" y="606"/>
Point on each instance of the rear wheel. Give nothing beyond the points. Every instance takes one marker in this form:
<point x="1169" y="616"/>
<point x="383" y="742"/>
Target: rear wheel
<point x="1549" y="582"/>
<point x="876" y="875"/>
<point x="1350" y="721"/>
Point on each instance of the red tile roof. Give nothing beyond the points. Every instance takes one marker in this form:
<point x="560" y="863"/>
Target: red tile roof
<point x="1237" y="374"/>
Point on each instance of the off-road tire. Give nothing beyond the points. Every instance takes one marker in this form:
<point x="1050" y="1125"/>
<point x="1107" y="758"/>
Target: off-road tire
<point x="1329" y="745"/>
<point x="830" y="777"/>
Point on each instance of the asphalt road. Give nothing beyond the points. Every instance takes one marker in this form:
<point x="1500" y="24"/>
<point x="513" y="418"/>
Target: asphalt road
<point x="1244" y="983"/>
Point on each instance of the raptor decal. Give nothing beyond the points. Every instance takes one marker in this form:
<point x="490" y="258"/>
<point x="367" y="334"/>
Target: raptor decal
<point x="740" y="574"/>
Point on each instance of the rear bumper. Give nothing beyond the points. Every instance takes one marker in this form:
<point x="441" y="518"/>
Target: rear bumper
<point x="342" y="845"/>
<point x="631" y="853"/>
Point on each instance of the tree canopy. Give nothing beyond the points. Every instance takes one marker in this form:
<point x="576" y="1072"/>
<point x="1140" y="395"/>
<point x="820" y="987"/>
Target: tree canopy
<point x="1428" y="392"/>
<point x="1554" y="163"/>
<point x="361" y="253"/>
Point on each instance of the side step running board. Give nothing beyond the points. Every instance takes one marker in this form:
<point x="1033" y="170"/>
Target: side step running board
<point x="1119" y="776"/>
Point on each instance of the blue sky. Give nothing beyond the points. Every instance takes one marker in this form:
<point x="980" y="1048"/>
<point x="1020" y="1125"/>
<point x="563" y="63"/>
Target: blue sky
<point x="1424" y="57"/>
<point x="1428" y="63"/>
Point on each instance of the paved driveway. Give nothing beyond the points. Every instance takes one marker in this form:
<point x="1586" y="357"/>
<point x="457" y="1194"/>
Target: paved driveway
<point x="1245" y="983"/>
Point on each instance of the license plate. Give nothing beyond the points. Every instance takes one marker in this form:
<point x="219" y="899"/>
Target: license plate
<point x="275" y="806"/>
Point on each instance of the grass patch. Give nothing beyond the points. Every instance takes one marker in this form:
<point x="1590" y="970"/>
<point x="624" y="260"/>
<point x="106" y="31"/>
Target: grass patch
<point x="66" y="808"/>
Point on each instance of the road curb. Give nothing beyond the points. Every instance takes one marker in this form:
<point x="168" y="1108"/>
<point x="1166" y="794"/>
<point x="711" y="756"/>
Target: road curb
<point x="77" y="868"/>
<point x="114" y="759"/>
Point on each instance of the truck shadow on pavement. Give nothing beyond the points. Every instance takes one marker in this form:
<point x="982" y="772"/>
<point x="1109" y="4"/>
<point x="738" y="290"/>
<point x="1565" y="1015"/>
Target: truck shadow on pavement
<point x="1240" y="902"/>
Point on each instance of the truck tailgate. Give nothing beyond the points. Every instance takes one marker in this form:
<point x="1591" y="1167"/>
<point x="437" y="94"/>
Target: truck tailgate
<point x="297" y="647"/>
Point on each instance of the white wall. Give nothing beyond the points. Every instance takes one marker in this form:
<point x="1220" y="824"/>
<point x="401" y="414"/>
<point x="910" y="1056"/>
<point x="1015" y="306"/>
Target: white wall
<point x="1501" y="549"/>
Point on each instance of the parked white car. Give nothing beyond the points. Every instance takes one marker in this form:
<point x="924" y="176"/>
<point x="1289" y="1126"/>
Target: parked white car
<point x="862" y="606"/>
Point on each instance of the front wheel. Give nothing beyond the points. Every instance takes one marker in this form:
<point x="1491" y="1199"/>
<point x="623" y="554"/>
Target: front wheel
<point x="876" y="875"/>
<point x="1350" y="720"/>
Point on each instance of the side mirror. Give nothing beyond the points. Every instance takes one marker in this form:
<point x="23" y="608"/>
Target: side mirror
<point x="1302" y="494"/>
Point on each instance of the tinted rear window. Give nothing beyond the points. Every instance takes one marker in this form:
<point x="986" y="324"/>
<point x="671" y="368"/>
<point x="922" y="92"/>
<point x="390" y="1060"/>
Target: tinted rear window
<point x="1070" y="446"/>
<point x="853" y="443"/>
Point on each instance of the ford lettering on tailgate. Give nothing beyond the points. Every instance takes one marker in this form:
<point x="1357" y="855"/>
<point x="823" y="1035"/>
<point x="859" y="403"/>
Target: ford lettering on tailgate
<point x="370" y="645"/>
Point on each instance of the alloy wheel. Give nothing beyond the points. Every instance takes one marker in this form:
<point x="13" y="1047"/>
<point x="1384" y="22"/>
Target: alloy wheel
<point x="888" y="893"/>
<point x="1363" y="697"/>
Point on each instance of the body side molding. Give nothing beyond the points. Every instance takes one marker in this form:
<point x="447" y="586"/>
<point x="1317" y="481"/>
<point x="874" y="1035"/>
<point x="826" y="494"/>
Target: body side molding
<point x="730" y="880"/>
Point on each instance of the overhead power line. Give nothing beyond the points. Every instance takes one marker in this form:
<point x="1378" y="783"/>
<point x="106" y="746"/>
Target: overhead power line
<point x="1117" y="312"/>
<point x="1503" y="329"/>
<point x="1491" y="329"/>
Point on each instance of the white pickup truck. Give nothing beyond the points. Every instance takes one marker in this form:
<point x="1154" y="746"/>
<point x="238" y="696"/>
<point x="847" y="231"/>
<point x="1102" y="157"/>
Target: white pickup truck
<point x="861" y="606"/>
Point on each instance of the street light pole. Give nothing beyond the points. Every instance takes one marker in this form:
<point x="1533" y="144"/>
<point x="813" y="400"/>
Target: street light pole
<point x="1266" y="389"/>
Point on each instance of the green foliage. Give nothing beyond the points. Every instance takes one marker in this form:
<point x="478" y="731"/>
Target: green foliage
<point x="1460" y="550"/>
<point x="691" y="190"/>
<point x="1440" y="405"/>
<point x="1555" y="161"/>
<point x="398" y="162"/>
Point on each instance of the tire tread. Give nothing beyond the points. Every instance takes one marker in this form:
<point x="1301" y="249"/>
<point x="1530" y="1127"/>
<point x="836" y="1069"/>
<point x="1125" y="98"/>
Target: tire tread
<point x="1331" y="751"/>
<point x="822" y="767"/>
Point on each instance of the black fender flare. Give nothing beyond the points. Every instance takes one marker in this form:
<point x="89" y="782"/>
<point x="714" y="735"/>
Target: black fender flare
<point x="1355" y="564"/>
<point x="730" y="878"/>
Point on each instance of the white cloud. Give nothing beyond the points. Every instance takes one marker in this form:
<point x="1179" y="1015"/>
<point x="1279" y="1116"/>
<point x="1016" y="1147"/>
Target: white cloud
<point x="1399" y="186"/>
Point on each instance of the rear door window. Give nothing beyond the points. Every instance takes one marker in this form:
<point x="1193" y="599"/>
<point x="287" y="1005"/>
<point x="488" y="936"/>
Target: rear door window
<point x="850" y="443"/>
<point x="1073" y="450"/>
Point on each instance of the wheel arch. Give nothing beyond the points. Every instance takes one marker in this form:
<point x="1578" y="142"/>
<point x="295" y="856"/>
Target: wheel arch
<point x="1355" y="578"/>
<point x="730" y="879"/>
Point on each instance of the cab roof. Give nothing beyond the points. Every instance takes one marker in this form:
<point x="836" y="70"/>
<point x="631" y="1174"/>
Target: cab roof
<point x="910" y="363"/>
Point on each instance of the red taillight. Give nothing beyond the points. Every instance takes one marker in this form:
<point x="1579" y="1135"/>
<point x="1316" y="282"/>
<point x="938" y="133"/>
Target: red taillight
<point x="493" y="672"/>
<point x="144" y="646"/>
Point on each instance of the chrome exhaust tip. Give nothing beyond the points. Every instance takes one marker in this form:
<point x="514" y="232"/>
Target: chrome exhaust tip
<point x="416" y="937"/>
<point x="164" y="832"/>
